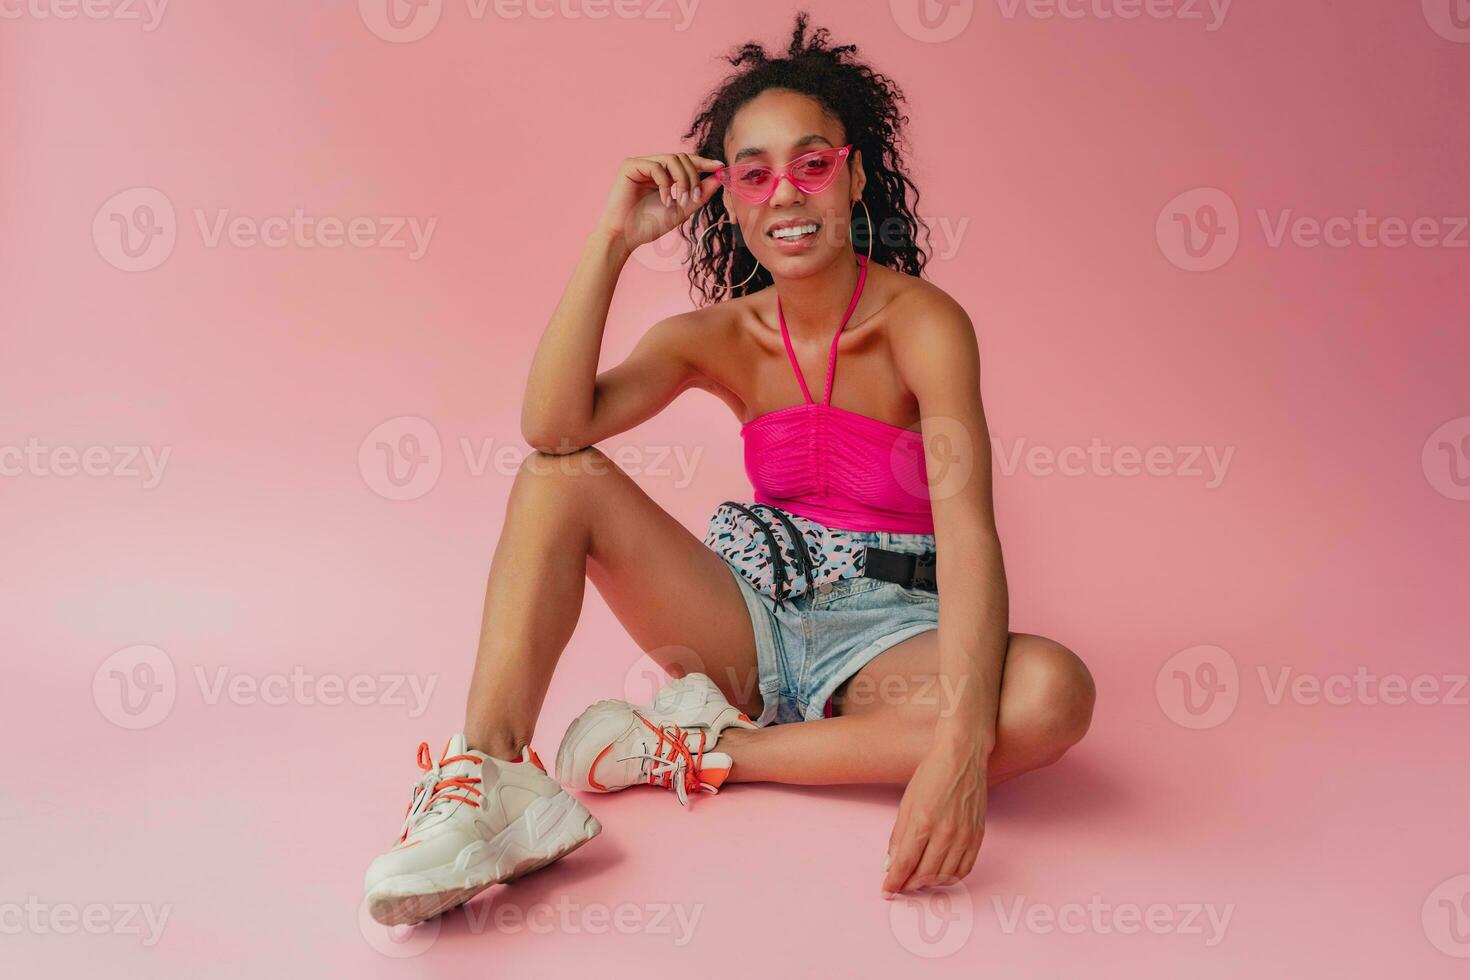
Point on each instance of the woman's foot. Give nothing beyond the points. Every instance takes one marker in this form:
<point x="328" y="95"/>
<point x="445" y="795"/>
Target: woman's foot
<point x="613" y="744"/>
<point x="473" y="821"/>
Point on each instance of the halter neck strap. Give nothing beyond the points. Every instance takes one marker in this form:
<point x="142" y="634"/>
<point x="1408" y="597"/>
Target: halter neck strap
<point x="832" y="357"/>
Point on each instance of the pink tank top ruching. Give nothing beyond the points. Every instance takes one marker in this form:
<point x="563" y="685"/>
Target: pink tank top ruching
<point x="837" y="467"/>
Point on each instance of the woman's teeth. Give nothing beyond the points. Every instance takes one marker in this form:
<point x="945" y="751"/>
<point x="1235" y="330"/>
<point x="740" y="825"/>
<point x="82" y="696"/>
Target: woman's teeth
<point x="795" y="231"/>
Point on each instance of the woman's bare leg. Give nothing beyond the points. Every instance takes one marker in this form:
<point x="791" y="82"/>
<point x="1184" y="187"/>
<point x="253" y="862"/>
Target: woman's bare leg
<point x="885" y="719"/>
<point x="576" y="516"/>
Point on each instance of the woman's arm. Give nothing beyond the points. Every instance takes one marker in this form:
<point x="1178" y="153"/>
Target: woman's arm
<point x="974" y="618"/>
<point x="568" y="405"/>
<point x="941" y="819"/>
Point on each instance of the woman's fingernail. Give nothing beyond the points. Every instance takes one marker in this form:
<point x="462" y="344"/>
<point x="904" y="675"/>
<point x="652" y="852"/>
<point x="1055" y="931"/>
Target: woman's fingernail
<point x="888" y="896"/>
<point x="887" y="859"/>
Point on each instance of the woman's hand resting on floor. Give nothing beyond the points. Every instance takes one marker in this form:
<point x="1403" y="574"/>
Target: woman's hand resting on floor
<point x="941" y="821"/>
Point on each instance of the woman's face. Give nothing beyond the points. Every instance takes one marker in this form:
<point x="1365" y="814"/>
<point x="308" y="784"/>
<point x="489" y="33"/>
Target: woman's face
<point x="774" y="128"/>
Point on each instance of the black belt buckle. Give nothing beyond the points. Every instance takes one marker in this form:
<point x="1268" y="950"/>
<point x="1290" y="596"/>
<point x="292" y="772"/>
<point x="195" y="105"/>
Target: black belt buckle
<point x="925" y="576"/>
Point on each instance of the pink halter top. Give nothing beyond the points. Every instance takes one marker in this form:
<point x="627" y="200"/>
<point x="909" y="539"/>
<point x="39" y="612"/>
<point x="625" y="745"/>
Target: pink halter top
<point x="836" y="467"/>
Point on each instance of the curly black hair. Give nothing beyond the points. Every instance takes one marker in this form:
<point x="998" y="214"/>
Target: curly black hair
<point x="868" y="105"/>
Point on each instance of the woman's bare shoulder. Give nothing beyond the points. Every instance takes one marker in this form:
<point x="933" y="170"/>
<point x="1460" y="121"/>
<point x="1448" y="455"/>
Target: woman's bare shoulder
<point x="713" y="342"/>
<point x="681" y="335"/>
<point x="910" y="297"/>
<point x="706" y="332"/>
<point x="918" y="311"/>
<point x="926" y="327"/>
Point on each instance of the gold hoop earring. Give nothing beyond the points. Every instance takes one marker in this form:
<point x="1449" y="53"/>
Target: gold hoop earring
<point x="728" y="287"/>
<point x="869" y="215"/>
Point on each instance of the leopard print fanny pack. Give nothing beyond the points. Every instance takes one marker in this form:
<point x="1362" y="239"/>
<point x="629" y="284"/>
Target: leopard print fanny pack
<point x="782" y="554"/>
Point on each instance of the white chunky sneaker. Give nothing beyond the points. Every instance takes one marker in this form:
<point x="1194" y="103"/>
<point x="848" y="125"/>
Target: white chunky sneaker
<point x="613" y="744"/>
<point x="473" y="822"/>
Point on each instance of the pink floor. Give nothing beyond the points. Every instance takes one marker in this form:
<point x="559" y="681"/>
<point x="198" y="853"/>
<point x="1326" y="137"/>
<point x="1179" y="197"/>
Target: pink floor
<point x="1244" y="828"/>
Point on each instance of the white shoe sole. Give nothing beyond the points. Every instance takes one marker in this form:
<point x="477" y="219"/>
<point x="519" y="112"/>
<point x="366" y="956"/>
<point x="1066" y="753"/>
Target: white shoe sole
<point x="549" y="829"/>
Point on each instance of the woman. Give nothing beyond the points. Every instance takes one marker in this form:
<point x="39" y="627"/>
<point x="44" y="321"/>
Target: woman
<point x="816" y="603"/>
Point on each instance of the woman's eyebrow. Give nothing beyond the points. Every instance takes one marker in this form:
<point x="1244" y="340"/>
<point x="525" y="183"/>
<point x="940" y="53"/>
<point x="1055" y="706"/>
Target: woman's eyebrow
<point x="808" y="140"/>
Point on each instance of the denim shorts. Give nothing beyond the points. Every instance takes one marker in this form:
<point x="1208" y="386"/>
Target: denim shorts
<point x="814" y="642"/>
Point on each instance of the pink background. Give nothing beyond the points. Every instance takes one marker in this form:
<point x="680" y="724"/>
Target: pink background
<point x="1051" y="145"/>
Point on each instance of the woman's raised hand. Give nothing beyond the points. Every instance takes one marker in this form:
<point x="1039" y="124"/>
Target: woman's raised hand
<point x="652" y="195"/>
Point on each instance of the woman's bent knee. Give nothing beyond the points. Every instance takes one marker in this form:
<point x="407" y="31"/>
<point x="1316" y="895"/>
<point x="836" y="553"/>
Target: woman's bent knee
<point x="1055" y="695"/>
<point x="587" y="461"/>
<point x="562" y="474"/>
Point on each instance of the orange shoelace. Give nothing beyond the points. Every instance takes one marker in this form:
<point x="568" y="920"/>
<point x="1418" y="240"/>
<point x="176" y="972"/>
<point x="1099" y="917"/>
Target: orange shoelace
<point x="444" y="789"/>
<point x="681" y="762"/>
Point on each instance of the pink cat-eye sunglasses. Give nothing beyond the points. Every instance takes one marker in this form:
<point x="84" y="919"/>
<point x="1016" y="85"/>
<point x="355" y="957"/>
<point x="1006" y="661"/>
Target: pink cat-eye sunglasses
<point x="809" y="173"/>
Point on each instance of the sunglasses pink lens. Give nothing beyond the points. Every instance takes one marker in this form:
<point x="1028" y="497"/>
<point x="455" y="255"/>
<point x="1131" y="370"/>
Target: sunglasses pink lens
<point x="811" y="173"/>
